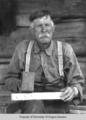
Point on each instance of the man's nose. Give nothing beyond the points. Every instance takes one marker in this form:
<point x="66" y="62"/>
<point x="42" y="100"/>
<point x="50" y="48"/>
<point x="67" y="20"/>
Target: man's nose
<point x="43" y="28"/>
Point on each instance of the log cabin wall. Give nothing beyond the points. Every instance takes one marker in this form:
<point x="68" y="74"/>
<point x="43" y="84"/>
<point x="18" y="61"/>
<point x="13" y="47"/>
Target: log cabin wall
<point x="70" y="19"/>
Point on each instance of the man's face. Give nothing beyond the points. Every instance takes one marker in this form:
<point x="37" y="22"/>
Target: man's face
<point x="43" y="28"/>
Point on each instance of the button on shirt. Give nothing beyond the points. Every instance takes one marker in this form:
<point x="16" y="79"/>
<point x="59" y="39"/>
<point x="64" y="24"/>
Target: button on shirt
<point x="46" y="61"/>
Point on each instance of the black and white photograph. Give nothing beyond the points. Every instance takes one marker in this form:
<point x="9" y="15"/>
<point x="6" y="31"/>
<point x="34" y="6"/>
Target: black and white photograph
<point x="42" y="58"/>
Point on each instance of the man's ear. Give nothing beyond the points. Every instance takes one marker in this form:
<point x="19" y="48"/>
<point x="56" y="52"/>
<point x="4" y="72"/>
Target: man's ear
<point x="54" y="27"/>
<point x="32" y="31"/>
<point x="31" y="25"/>
<point x="31" y="28"/>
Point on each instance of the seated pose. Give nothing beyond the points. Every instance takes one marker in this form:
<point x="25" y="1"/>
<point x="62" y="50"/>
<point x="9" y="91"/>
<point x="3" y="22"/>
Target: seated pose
<point x="45" y="65"/>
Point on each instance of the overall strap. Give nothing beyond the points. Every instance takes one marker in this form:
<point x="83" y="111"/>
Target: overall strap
<point x="60" y="58"/>
<point x="28" y="54"/>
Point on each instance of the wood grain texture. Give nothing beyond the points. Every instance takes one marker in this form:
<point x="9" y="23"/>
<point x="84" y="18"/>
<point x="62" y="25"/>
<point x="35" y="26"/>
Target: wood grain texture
<point x="76" y="7"/>
<point x="71" y="31"/>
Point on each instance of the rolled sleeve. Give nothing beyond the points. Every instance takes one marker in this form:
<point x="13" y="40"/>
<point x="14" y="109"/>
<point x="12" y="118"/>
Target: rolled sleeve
<point x="11" y="78"/>
<point x="73" y="73"/>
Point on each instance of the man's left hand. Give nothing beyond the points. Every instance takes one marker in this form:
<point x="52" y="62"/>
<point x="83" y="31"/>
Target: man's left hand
<point x="68" y="94"/>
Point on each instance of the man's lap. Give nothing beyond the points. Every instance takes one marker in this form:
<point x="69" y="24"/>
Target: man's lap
<point x="38" y="106"/>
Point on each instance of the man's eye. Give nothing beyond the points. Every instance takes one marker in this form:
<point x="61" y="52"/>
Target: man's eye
<point x="39" y="25"/>
<point x="47" y="24"/>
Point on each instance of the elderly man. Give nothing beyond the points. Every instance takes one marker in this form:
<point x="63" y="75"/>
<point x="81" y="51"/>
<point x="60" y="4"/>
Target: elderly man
<point x="45" y="65"/>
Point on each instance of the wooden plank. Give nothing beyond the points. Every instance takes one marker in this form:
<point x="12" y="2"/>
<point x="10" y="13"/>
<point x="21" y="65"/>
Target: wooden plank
<point x="3" y="69"/>
<point x="71" y="32"/>
<point x="71" y="28"/>
<point x="5" y="98"/>
<point x="22" y="20"/>
<point x="62" y="7"/>
<point x="79" y="107"/>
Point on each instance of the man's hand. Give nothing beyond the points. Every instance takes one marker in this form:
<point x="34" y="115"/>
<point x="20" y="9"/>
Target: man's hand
<point x="69" y="93"/>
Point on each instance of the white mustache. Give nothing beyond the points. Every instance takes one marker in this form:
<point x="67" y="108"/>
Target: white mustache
<point x="42" y="35"/>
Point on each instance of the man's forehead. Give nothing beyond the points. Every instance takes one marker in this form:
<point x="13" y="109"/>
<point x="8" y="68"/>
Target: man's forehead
<point x="43" y="19"/>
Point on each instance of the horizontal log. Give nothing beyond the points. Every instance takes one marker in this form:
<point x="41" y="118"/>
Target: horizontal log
<point x="79" y="107"/>
<point x="71" y="31"/>
<point x="3" y="69"/>
<point x="58" y="6"/>
<point x="71" y="28"/>
<point x="5" y="97"/>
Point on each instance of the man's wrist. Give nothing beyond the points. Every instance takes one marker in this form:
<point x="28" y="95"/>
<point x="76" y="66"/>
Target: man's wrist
<point x="75" y="91"/>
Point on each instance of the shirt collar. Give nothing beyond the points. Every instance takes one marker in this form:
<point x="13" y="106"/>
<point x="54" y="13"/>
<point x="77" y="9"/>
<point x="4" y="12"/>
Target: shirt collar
<point x="48" y="51"/>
